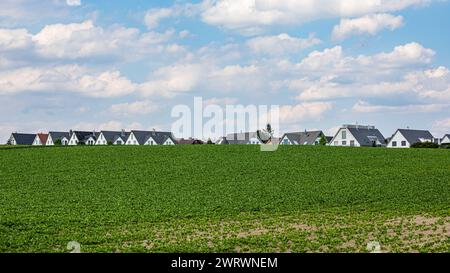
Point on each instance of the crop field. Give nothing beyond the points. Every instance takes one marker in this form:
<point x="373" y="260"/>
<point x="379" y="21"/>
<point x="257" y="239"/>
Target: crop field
<point x="224" y="199"/>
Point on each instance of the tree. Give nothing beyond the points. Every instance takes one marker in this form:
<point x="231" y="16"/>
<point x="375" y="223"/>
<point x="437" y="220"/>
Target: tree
<point x="58" y="142"/>
<point x="209" y="141"/>
<point x="323" y="140"/>
<point x="110" y="142"/>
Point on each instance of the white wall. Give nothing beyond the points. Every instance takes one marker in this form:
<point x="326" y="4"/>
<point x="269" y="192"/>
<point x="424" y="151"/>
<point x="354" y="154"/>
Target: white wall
<point x="37" y="141"/>
<point x="446" y="140"/>
<point x="285" y="138"/>
<point x="338" y="140"/>
<point x="131" y="140"/>
<point x="398" y="138"/>
<point x="73" y="140"/>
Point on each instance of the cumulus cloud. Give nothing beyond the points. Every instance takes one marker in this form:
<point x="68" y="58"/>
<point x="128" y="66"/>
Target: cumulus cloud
<point x="69" y="78"/>
<point x="134" y="108"/>
<point x="85" y="40"/>
<point x="369" y="24"/>
<point x="365" y="107"/>
<point x="441" y="127"/>
<point x="281" y="44"/>
<point x="154" y="16"/>
<point x="303" y="111"/>
<point x="252" y="16"/>
<point x="73" y="2"/>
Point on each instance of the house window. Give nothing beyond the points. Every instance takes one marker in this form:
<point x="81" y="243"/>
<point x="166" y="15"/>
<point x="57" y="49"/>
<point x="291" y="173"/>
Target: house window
<point x="403" y="143"/>
<point x="336" y="143"/>
<point x="394" y="143"/>
<point x="134" y="142"/>
<point x="286" y="141"/>
<point x="344" y="143"/>
<point x="344" y="134"/>
<point x="352" y="143"/>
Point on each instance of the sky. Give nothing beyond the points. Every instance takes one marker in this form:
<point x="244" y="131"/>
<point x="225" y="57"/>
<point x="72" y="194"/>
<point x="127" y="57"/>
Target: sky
<point x="108" y="65"/>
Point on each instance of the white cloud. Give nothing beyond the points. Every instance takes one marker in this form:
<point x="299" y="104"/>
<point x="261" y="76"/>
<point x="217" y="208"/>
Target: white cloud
<point x="280" y="44"/>
<point x="170" y="80"/>
<point x="70" y="78"/>
<point x="441" y="127"/>
<point x="369" y="24"/>
<point x="154" y="16"/>
<point x="252" y="16"/>
<point x="73" y="2"/>
<point x="365" y="107"/>
<point x="13" y="39"/>
<point x="113" y="125"/>
<point x="310" y="110"/>
<point x="134" y="108"/>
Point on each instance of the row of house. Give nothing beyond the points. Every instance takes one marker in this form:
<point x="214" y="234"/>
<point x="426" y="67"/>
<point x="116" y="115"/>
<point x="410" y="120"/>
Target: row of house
<point x="347" y="135"/>
<point x="72" y="138"/>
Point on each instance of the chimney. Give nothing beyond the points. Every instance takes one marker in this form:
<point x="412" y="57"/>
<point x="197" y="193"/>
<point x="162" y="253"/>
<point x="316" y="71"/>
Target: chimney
<point x="122" y="133"/>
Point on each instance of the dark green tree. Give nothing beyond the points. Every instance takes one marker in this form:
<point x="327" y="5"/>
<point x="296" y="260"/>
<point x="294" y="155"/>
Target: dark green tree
<point x="323" y="140"/>
<point x="58" y="142"/>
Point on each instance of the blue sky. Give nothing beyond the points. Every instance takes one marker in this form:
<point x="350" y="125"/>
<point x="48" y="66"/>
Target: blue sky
<point x="79" y="64"/>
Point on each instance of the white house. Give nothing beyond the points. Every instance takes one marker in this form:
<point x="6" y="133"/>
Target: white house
<point x="404" y="138"/>
<point x="150" y="138"/>
<point x="357" y="136"/>
<point x="302" y="138"/>
<point x="40" y="139"/>
<point x="249" y="138"/>
<point x="445" y="140"/>
<point x="113" y="137"/>
<point x="61" y="136"/>
<point x="88" y="138"/>
<point x="21" y="139"/>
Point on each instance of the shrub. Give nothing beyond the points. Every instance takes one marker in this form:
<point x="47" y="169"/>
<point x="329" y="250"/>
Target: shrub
<point x="58" y="142"/>
<point x="323" y="140"/>
<point x="110" y="142"/>
<point x="425" y="145"/>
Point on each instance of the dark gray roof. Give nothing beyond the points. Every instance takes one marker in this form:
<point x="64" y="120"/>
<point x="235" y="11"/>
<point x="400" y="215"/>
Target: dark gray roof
<point x="223" y="141"/>
<point x="303" y="138"/>
<point x="24" y="139"/>
<point x="114" y="135"/>
<point x="83" y="136"/>
<point x="158" y="137"/>
<point x="59" y="135"/>
<point x="365" y="136"/>
<point x="241" y="138"/>
<point x="414" y="136"/>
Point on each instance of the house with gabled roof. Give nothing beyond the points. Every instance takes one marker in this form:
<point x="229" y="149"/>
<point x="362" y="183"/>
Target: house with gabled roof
<point x="445" y="140"/>
<point x="85" y="137"/>
<point x="40" y="139"/>
<point x="248" y="138"/>
<point x="404" y="138"/>
<point x="150" y="138"/>
<point x="21" y="139"/>
<point x="113" y="137"/>
<point x="358" y="136"/>
<point x="302" y="138"/>
<point x="53" y="137"/>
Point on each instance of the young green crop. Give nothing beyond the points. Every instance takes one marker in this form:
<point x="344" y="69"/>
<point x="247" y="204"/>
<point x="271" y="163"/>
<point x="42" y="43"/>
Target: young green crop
<point x="223" y="198"/>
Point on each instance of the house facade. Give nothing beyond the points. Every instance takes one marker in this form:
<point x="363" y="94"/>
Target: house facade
<point x="445" y="140"/>
<point x="21" y="139"/>
<point x="302" y="138"/>
<point x="249" y="138"/>
<point x="40" y="139"/>
<point x="404" y="138"/>
<point x="83" y="137"/>
<point x="358" y="136"/>
<point x="112" y="137"/>
<point x="55" y="136"/>
<point x="150" y="138"/>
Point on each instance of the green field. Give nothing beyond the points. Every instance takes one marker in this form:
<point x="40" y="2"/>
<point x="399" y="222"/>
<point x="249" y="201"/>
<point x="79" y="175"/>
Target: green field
<point x="224" y="199"/>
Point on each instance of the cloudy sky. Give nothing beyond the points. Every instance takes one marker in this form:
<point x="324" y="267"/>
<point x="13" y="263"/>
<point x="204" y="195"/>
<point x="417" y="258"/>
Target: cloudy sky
<point x="84" y="64"/>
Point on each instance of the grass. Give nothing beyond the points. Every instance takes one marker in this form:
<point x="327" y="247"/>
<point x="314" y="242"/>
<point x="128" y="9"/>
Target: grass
<point x="224" y="199"/>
